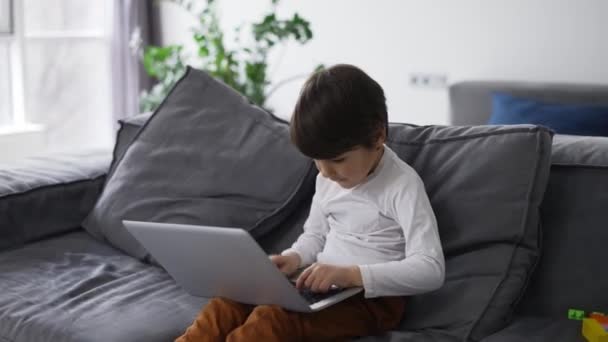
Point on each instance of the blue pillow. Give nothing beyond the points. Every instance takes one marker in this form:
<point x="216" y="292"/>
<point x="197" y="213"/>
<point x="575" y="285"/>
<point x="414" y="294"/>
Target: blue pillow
<point x="562" y="118"/>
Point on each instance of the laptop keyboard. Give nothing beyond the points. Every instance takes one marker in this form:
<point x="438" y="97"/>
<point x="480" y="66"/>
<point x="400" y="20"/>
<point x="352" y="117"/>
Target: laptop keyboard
<point x="313" y="297"/>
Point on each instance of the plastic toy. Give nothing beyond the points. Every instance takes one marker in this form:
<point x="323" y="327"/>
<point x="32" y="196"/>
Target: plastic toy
<point x="594" y="327"/>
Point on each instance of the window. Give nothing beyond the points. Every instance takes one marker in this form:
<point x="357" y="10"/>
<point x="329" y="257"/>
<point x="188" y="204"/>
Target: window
<point x="5" y="41"/>
<point x="57" y="56"/>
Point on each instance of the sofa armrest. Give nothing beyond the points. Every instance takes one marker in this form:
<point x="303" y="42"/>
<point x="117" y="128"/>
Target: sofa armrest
<point x="44" y="196"/>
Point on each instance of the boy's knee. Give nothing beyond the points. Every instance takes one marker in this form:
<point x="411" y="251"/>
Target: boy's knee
<point x="272" y="323"/>
<point x="270" y="313"/>
<point x="268" y="309"/>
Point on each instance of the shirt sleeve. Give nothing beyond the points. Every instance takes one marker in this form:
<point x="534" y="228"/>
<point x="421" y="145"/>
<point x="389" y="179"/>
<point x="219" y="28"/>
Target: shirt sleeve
<point x="423" y="268"/>
<point x="312" y="240"/>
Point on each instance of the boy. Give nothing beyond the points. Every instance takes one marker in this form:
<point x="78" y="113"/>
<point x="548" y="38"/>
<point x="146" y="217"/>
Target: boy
<point x="370" y="224"/>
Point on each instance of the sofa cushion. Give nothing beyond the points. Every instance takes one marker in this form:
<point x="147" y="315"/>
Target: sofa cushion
<point x="579" y="119"/>
<point x="73" y="288"/>
<point x="206" y="156"/>
<point x="127" y="131"/>
<point x="539" y="329"/>
<point x="485" y="184"/>
<point x="575" y="239"/>
<point x="50" y="194"/>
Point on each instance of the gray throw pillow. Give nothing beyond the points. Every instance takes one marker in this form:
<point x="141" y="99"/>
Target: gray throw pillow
<point x="127" y="131"/>
<point x="485" y="184"/>
<point x="206" y="156"/>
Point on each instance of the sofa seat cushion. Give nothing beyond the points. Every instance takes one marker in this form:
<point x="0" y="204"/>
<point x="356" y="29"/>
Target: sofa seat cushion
<point x="73" y="288"/>
<point x="539" y="329"/>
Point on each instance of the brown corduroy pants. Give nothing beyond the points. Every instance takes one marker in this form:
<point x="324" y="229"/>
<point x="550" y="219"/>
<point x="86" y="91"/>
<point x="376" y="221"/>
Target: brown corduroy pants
<point x="225" y="320"/>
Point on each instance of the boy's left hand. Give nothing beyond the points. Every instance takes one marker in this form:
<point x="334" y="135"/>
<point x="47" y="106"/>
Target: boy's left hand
<point x="320" y="277"/>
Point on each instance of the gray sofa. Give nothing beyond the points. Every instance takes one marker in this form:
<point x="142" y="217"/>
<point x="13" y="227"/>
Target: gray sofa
<point x="59" y="283"/>
<point x="573" y="214"/>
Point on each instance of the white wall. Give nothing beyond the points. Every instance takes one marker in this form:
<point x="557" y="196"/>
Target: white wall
<point x="542" y="40"/>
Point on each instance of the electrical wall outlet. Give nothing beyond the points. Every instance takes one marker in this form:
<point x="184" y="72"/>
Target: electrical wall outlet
<point x="428" y="80"/>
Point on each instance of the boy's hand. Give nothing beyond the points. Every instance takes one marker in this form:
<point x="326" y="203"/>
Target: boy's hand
<point x="287" y="263"/>
<point x="320" y="277"/>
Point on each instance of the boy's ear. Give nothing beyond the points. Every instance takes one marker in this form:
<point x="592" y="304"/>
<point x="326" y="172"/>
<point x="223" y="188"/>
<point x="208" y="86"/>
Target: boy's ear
<point x="381" y="138"/>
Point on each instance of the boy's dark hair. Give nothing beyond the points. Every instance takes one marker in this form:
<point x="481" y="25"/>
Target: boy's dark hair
<point x="339" y="109"/>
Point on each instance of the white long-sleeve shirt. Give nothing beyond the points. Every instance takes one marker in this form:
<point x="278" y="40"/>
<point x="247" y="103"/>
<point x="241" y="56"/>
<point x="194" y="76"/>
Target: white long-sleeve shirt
<point x="385" y="225"/>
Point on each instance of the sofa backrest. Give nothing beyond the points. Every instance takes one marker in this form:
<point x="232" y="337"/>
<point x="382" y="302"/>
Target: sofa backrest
<point x="47" y="195"/>
<point x="574" y="215"/>
<point x="471" y="101"/>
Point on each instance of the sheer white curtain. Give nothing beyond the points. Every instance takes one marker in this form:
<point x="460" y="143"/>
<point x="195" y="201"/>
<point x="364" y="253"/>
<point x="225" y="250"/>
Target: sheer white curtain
<point x="132" y="21"/>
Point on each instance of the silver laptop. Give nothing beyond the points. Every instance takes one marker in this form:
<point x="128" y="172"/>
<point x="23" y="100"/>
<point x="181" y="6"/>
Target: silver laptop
<point x="226" y="262"/>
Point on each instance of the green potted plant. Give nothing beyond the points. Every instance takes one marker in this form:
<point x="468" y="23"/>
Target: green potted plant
<point x="244" y="68"/>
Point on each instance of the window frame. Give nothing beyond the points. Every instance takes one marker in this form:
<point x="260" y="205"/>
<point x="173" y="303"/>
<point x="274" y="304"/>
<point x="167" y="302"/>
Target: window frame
<point x="16" y="41"/>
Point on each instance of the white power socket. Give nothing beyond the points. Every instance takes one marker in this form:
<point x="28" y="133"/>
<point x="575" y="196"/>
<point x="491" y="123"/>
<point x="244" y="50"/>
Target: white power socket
<point x="428" y="80"/>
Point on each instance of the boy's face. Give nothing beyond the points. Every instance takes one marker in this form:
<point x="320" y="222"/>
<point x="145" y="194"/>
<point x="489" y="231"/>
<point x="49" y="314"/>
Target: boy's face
<point x="351" y="168"/>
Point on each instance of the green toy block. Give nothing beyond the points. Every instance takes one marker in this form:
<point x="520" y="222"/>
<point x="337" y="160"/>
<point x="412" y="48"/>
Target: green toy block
<point x="576" y="314"/>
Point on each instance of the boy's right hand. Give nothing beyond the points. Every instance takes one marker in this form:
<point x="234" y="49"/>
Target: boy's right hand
<point x="287" y="263"/>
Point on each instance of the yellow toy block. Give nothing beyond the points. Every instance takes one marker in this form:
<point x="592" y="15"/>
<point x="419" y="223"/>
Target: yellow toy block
<point x="594" y="331"/>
